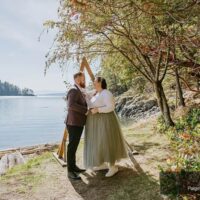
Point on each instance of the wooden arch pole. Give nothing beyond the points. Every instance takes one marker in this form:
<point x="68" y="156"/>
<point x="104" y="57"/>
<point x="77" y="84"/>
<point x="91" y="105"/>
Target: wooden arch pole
<point x="85" y="65"/>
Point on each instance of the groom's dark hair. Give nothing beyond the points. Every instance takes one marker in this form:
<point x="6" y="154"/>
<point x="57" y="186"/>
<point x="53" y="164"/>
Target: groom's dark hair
<point x="78" y="74"/>
<point x="103" y="82"/>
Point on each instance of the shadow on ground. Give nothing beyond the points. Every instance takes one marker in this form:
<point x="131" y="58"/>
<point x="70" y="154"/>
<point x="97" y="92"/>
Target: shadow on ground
<point x="126" y="185"/>
<point x="145" y="146"/>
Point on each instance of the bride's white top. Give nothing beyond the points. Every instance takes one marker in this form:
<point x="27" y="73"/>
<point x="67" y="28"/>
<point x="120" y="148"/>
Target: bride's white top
<point x="104" y="101"/>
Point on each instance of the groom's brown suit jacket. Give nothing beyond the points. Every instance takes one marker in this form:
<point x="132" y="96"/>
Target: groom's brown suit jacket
<point x="76" y="108"/>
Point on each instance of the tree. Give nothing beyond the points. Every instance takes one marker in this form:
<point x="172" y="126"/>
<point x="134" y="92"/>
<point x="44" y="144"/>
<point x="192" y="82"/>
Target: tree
<point x="119" y="73"/>
<point x="27" y="92"/>
<point x="140" y="31"/>
<point x="7" y="89"/>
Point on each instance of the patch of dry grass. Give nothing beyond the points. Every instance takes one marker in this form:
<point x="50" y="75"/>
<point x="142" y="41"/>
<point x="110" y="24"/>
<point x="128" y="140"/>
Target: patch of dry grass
<point x="26" y="177"/>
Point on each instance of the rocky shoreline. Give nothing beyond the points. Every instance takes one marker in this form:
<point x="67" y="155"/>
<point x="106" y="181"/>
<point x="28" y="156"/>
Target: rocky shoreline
<point x="133" y="106"/>
<point x="136" y="107"/>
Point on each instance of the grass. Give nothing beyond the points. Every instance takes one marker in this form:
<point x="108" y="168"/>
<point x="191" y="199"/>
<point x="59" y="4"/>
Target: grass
<point x="26" y="176"/>
<point x="137" y="187"/>
<point x="27" y="167"/>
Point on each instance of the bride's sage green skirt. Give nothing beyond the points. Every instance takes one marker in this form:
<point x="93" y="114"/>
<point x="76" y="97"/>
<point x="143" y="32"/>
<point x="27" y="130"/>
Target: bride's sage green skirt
<point x="104" y="141"/>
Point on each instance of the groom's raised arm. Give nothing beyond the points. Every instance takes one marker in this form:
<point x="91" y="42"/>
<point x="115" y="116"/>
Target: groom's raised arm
<point x="73" y="104"/>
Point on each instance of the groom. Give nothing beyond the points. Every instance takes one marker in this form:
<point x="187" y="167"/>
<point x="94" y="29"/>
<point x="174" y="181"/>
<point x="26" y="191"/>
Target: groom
<point x="75" y="121"/>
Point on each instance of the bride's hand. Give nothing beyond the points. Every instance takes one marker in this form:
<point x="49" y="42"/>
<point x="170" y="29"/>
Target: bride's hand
<point x="94" y="110"/>
<point x="87" y="112"/>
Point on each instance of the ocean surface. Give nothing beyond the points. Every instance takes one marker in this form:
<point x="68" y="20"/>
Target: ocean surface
<point x="28" y="121"/>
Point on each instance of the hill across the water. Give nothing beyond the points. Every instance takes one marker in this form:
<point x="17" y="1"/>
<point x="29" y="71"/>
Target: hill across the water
<point x="8" y="89"/>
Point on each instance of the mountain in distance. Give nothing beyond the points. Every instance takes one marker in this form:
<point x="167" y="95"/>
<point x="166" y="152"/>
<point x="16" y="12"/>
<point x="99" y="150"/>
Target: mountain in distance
<point x="8" y="89"/>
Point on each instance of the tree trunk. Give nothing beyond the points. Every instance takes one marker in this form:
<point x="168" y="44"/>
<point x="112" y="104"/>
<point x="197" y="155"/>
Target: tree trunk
<point x="198" y="83"/>
<point x="163" y="104"/>
<point x="179" y="89"/>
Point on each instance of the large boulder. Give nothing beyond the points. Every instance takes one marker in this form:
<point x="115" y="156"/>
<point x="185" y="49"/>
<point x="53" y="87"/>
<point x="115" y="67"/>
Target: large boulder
<point x="136" y="107"/>
<point x="8" y="161"/>
<point x="4" y="164"/>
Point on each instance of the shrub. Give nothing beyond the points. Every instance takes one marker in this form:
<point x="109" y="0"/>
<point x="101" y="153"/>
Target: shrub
<point x="185" y="141"/>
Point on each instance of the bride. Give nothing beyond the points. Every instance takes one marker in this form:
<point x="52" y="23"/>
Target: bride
<point x="104" y="143"/>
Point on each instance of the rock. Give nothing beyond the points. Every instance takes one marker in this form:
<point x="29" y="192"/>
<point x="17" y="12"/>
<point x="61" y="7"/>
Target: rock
<point x="120" y="103"/>
<point x="19" y="158"/>
<point x="11" y="160"/>
<point x="8" y="161"/>
<point x="149" y="104"/>
<point x="136" y="107"/>
<point x="4" y="165"/>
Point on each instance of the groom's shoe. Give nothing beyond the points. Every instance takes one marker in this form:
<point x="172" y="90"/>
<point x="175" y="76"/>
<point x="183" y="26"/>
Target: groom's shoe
<point x="73" y="175"/>
<point x="78" y="170"/>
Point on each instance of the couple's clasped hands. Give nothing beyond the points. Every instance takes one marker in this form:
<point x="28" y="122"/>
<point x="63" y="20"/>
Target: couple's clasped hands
<point x="93" y="111"/>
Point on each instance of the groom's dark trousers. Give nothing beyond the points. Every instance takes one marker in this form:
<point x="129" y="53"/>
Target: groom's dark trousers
<point x="75" y="133"/>
<point x="75" y="122"/>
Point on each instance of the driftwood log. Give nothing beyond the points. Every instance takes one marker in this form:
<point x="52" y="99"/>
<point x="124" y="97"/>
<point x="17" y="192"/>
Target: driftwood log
<point x="30" y="149"/>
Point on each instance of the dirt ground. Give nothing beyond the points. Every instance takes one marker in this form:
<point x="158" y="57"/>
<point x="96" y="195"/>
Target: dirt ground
<point x="44" y="179"/>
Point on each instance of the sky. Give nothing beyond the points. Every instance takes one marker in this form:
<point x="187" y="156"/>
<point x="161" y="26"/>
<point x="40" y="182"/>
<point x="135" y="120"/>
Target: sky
<point x="22" y="56"/>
